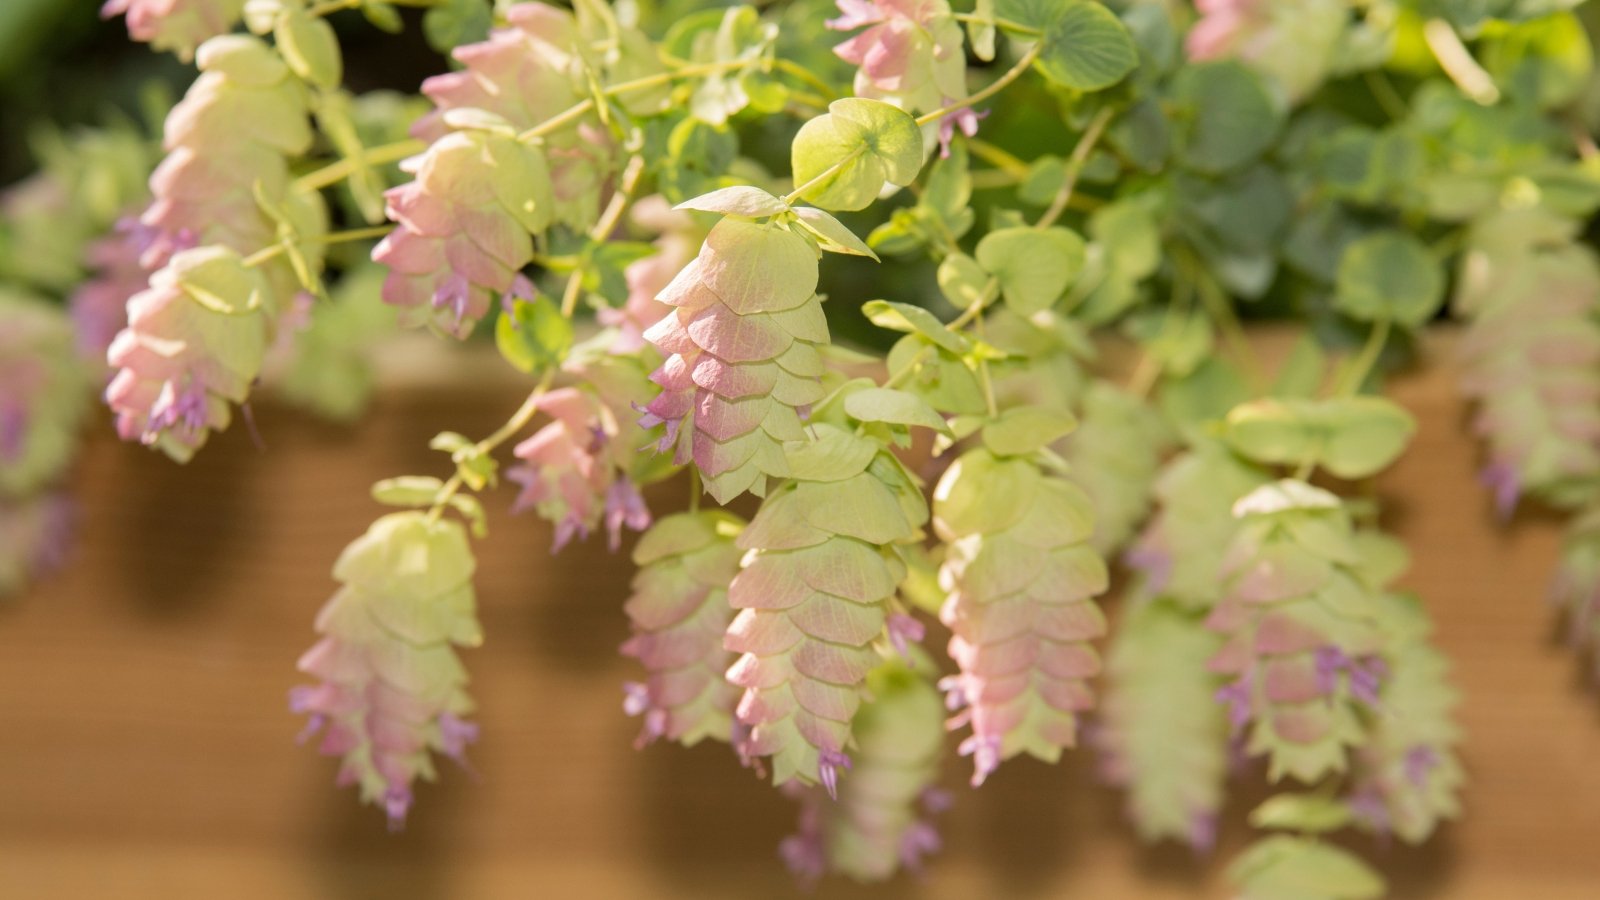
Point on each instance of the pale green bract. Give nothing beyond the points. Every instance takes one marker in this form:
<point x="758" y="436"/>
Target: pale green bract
<point x="843" y="158"/>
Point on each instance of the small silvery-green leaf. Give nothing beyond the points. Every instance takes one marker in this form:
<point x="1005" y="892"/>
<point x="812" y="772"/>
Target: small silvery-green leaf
<point x="309" y="46"/>
<point x="383" y="16"/>
<point x="1271" y="431"/>
<point x="1229" y="118"/>
<point x="962" y="280"/>
<point x="472" y="510"/>
<point x="1389" y="275"/>
<point x="852" y="150"/>
<point x="1364" y="435"/>
<point x="980" y="30"/>
<point x="1027" y="429"/>
<point x="1086" y="48"/>
<point x="1034" y="267"/>
<point x="913" y="320"/>
<point x="739" y="200"/>
<point x="534" y="336"/>
<point x="1302" y="812"/>
<point x="892" y="407"/>
<point x="407" y="490"/>
<point x="1288" y="868"/>
<point x="830" y="233"/>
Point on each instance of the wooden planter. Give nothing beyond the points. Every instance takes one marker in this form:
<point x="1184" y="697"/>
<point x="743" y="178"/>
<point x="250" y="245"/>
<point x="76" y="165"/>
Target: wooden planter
<point x="146" y="748"/>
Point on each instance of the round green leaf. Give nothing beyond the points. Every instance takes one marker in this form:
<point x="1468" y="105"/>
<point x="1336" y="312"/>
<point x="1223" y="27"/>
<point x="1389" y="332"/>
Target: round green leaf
<point x="738" y="200"/>
<point x="893" y="407"/>
<point x="852" y="149"/>
<point x="1364" y="435"/>
<point x="1274" y="432"/>
<point x="1034" y="267"/>
<point x="1389" y="275"/>
<point x="310" y="48"/>
<point x="1027" y="429"/>
<point x="1228" y="117"/>
<point x="1086" y="48"/>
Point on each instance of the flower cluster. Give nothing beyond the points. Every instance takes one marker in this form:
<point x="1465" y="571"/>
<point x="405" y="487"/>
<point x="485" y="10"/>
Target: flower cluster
<point x="912" y="55"/>
<point x="100" y="305"/>
<point x="680" y="237"/>
<point x="813" y="597"/>
<point x="1020" y="574"/>
<point x="176" y="25"/>
<point x="1531" y="353"/>
<point x="1293" y="41"/>
<point x="679" y="611"/>
<point x="880" y="821"/>
<point x="1161" y="736"/>
<point x="1299" y="612"/>
<point x="390" y="688"/>
<point x="742" y="364"/>
<point x="1116" y="452"/>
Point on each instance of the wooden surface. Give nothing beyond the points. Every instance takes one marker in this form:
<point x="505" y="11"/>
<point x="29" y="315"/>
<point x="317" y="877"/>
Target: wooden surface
<point x="146" y="751"/>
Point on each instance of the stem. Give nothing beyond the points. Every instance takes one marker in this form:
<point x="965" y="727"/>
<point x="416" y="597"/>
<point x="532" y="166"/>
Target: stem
<point x="1007" y="24"/>
<point x="994" y="87"/>
<point x="603" y="228"/>
<point x="332" y="6"/>
<point x="1361" y="366"/>
<point x="825" y="174"/>
<point x="373" y="156"/>
<point x="1457" y="62"/>
<point x="998" y="157"/>
<point x="790" y="67"/>
<point x="1388" y="98"/>
<point x="337" y="237"/>
<point x="518" y="421"/>
<point x="577" y="111"/>
<point x="1080" y="156"/>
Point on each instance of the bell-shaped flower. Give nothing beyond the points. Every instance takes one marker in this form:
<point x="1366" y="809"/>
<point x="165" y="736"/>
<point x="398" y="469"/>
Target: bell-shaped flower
<point x="390" y="687"/>
<point x="195" y="342"/>
<point x="678" y="613"/>
<point x="176" y="25"/>
<point x="44" y="393"/>
<point x="1021" y="574"/>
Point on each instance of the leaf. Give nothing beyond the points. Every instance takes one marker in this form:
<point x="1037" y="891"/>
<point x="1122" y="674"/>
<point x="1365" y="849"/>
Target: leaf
<point x="1302" y="812"/>
<point x="1026" y="430"/>
<point x="1364" y="435"/>
<point x="835" y="454"/>
<point x="962" y="280"/>
<point x="472" y="510"/>
<point x="534" y="336"/>
<point x="1274" y="432"/>
<point x="913" y="320"/>
<point x="893" y="407"/>
<point x="852" y="149"/>
<point x="1229" y="117"/>
<point x="831" y="233"/>
<point x="1389" y="275"/>
<point x="1302" y="373"/>
<point x="1034" y="267"/>
<point x="308" y="44"/>
<point x="980" y="30"/>
<point x="739" y="200"/>
<point x="407" y="490"/>
<point x="1086" y="48"/>
<point x="1288" y="868"/>
<point x="1544" y="62"/>
<point x="450" y="23"/>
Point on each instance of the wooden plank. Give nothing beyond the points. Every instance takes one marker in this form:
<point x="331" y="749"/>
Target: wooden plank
<point x="147" y="750"/>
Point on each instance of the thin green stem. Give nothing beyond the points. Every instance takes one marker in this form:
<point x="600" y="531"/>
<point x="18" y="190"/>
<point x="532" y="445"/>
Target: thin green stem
<point x="993" y="88"/>
<point x="372" y="156"/>
<point x="1361" y="367"/>
<point x="1007" y="24"/>
<point x="1457" y="62"/>
<point x="518" y="421"/>
<point x="577" y="111"/>
<point x="790" y="67"/>
<point x="1080" y="156"/>
<point x="825" y="174"/>
<point x="1384" y="92"/>
<point x="332" y="6"/>
<point x="602" y="229"/>
<point x="998" y="157"/>
<point x="336" y="237"/>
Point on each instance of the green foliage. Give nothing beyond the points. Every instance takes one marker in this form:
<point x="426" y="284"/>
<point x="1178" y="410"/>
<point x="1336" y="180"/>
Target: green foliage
<point x="843" y="158"/>
<point x="534" y="337"/>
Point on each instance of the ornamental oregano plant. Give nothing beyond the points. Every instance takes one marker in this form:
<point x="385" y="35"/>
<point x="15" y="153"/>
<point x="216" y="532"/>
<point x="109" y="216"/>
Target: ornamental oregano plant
<point x="871" y="274"/>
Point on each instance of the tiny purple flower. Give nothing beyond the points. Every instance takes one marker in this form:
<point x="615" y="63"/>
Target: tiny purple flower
<point x="1237" y="696"/>
<point x="905" y="630"/>
<point x="985" y="753"/>
<point x="829" y="762"/>
<point x="1419" y="762"/>
<point x="624" y="507"/>
<point x="454" y="736"/>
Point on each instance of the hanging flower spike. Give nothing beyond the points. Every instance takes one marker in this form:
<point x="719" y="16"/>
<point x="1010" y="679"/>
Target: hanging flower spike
<point x="569" y="474"/>
<point x="99" y="306"/>
<point x="678" y="613"/>
<point x="195" y="342"/>
<point x="1179" y="552"/>
<point x="1299" y="615"/>
<point x="912" y="55"/>
<point x="742" y="364"/>
<point x="43" y="392"/>
<point x="1021" y="575"/>
<point x="880" y="822"/>
<point x="1292" y="42"/>
<point x="1115" y="454"/>
<point x="176" y="25"/>
<point x="234" y="130"/>
<point x="390" y="687"/>
<point x="1161" y="736"/>
<point x="1532" y="355"/>
<point x="678" y="244"/>
<point x="35" y="533"/>
<point x="465" y="228"/>
<point x="1409" y="767"/>
<point x="813" y="598"/>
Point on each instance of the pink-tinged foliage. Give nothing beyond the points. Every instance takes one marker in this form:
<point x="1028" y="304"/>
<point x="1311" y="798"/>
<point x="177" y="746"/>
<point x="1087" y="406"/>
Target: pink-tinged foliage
<point x="912" y="55"/>
<point x="100" y="305"/>
<point x="678" y="612"/>
<point x="1021" y="576"/>
<point x="176" y="25"/>
<point x="813" y="599"/>
<point x="390" y="688"/>
<point x="742" y="362"/>
<point x="1532" y="357"/>
<point x="183" y="357"/>
<point x="44" y="388"/>
<point x="679" y="242"/>
<point x="1302" y="651"/>
<point x="881" y="820"/>
<point x="1294" y="43"/>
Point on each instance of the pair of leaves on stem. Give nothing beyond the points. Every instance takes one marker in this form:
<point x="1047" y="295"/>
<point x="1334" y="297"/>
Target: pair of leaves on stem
<point x="1030" y="267"/>
<point x="1350" y="437"/>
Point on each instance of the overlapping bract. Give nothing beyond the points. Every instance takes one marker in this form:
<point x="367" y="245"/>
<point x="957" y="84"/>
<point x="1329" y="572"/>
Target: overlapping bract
<point x="680" y="237"/>
<point x="1299" y="613"/>
<point x="100" y="305"/>
<point x="1161" y="735"/>
<point x="1114" y="455"/>
<point x="912" y="54"/>
<point x="814" y="595"/>
<point x="1406" y="776"/>
<point x="176" y="25"/>
<point x="743" y="364"/>
<point x="1021" y="574"/>
<point x="1532" y="355"/>
<point x="678" y="612"/>
<point x="880" y="822"/>
<point x="390" y="687"/>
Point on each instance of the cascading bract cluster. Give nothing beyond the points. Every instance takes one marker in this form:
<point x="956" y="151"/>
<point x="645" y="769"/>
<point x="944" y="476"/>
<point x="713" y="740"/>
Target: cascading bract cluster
<point x="1114" y="455"/>
<point x="742" y="360"/>
<point x="813" y="596"/>
<point x="679" y="612"/>
<point x="881" y="820"/>
<point x="913" y="55"/>
<point x="1021" y="575"/>
<point x="176" y="25"/>
<point x="390" y="689"/>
